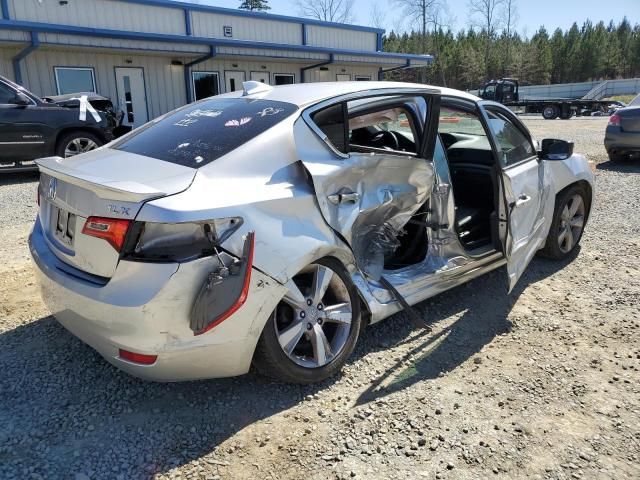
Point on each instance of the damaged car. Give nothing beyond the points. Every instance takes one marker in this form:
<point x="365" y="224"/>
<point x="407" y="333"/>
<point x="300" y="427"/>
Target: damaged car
<point x="269" y="226"/>
<point x="32" y="127"/>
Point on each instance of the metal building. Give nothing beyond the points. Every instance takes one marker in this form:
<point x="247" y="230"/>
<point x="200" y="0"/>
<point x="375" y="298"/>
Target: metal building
<point x="151" y="56"/>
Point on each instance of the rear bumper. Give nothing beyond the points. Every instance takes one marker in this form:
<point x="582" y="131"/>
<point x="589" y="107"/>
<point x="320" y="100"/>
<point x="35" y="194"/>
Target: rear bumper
<point x="620" y="141"/>
<point x="144" y="308"/>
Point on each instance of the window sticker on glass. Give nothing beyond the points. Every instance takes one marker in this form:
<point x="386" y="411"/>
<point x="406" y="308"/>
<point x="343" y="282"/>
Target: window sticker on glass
<point x="238" y="123"/>
<point x="270" y="111"/>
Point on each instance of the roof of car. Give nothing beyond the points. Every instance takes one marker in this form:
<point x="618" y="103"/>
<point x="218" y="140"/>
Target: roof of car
<point x="305" y="94"/>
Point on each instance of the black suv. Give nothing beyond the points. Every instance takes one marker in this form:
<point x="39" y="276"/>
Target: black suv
<point x="33" y="127"/>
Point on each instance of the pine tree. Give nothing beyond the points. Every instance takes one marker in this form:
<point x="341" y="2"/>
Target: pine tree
<point x="252" y="5"/>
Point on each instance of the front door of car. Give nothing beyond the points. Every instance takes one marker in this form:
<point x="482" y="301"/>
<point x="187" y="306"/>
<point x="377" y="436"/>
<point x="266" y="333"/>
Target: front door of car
<point x="22" y="133"/>
<point x="370" y="162"/>
<point x="525" y="192"/>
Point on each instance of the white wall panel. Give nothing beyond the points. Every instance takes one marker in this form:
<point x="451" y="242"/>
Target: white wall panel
<point x="320" y="36"/>
<point x="246" y="28"/>
<point x="317" y="75"/>
<point x="259" y="52"/>
<point x="15" y="36"/>
<point x="110" y="14"/>
<point x="164" y="82"/>
<point x="77" y="40"/>
<point x="6" y="67"/>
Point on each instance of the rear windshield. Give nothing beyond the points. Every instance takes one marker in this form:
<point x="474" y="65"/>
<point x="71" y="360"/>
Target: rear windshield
<point x="204" y="131"/>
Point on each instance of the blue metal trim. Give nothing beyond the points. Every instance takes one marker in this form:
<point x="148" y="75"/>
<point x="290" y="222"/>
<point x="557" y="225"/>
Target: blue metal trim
<point x="17" y="72"/>
<point x="317" y="65"/>
<point x="246" y="13"/>
<point x="187" y="22"/>
<point x="187" y="70"/>
<point x="5" y="9"/>
<point x="304" y="33"/>
<point x="379" y="42"/>
<point x="160" y="37"/>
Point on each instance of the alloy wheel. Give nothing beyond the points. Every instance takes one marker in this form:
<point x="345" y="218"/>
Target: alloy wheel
<point x="79" y="145"/>
<point x="571" y="223"/>
<point x="314" y="319"/>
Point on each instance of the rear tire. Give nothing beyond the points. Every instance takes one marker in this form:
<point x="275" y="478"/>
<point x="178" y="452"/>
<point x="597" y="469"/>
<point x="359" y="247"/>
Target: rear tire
<point x="569" y="219"/>
<point x="550" y="112"/>
<point x="304" y="344"/>
<point x="75" y="143"/>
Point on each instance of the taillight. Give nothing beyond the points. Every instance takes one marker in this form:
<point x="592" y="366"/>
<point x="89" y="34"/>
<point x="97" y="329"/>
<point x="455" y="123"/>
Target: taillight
<point x="614" y="120"/>
<point x="113" y="230"/>
<point x="140" y="358"/>
<point x="178" y="242"/>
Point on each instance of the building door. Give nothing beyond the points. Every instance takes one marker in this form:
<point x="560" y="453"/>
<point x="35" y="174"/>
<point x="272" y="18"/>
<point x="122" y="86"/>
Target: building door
<point x="132" y="98"/>
<point x="260" y="77"/>
<point x="233" y="80"/>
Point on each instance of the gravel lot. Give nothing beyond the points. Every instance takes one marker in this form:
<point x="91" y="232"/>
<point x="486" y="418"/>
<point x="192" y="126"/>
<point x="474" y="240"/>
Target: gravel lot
<point x="543" y="383"/>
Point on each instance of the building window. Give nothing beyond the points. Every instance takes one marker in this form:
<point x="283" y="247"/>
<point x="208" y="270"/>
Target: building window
<point x="205" y="84"/>
<point x="74" y="80"/>
<point x="284" y="79"/>
<point x="363" y="78"/>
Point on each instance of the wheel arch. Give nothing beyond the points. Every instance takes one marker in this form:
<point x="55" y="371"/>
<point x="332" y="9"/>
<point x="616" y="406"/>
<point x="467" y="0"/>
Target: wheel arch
<point x="588" y="188"/>
<point x="68" y="130"/>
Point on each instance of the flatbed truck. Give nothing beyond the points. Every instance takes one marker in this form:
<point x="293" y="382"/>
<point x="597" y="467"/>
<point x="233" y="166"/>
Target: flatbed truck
<point x="506" y="91"/>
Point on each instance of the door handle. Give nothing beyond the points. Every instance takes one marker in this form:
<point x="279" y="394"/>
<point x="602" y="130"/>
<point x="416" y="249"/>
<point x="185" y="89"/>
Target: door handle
<point x="522" y="199"/>
<point x="344" y="197"/>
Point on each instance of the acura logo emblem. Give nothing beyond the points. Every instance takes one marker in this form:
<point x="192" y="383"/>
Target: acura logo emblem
<point x="53" y="185"/>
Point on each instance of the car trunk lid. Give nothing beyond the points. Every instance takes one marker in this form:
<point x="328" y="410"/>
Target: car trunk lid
<point x="104" y="183"/>
<point x="629" y="119"/>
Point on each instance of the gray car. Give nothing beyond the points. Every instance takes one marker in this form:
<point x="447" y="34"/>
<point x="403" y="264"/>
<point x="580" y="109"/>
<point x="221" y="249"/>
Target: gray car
<point x="622" y="137"/>
<point x="270" y="226"/>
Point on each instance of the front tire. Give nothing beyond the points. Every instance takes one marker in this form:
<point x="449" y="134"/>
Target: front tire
<point x="314" y="328"/>
<point x="75" y="143"/>
<point x="567" y="227"/>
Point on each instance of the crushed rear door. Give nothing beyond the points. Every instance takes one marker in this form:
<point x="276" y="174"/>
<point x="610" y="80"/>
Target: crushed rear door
<point x="369" y="196"/>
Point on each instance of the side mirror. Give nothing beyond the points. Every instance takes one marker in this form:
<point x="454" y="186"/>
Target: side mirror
<point x="21" y="99"/>
<point x="554" y="149"/>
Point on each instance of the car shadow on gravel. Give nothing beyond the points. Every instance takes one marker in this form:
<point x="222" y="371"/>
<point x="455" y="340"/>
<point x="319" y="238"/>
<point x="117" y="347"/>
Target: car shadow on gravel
<point x="15" y="178"/>
<point x="474" y="314"/>
<point x="623" y="166"/>
<point x="66" y="411"/>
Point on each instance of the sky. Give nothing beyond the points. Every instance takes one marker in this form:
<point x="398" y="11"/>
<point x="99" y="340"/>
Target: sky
<point x="531" y="13"/>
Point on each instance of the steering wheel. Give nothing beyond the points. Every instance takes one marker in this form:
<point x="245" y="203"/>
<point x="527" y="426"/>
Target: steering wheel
<point x="387" y="138"/>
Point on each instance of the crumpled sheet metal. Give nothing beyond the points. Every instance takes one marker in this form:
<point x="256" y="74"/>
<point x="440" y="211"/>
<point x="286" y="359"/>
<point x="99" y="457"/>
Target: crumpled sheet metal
<point x="391" y="189"/>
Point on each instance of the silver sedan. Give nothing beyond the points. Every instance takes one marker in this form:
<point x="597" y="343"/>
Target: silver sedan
<point x="269" y="226"/>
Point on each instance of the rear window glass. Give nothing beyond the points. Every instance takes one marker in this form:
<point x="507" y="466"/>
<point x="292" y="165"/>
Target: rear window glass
<point x="204" y="131"/>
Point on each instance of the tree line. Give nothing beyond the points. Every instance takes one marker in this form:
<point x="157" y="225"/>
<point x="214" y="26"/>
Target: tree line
<point x="470" y="57"/>
<point x="491" y="47"/>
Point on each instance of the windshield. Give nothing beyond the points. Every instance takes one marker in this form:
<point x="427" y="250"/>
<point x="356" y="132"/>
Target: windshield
<point x="204" y="131"/>
<point x="635" y="102"/>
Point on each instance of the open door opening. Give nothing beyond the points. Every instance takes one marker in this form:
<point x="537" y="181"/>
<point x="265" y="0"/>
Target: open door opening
<point x="474" y="177"/>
